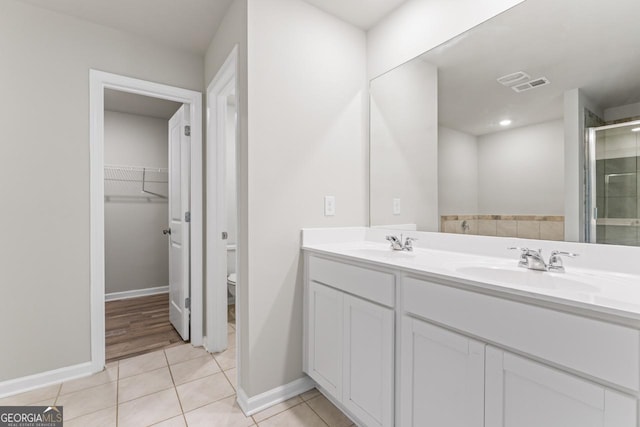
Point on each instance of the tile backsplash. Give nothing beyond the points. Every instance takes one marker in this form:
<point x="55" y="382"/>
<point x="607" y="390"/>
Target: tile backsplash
<point x="545" y="227"/>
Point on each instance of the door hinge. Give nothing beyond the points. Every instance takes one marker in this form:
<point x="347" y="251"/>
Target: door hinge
<point x="187" y="130"/>
<point x="187" y="303"/>
<point x="187" y="217"/>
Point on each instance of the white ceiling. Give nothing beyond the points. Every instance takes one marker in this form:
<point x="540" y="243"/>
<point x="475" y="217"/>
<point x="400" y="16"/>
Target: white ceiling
<point x="130" y="103"/>
<point x="361" y="13"/>
<point x="585" y="44"/>
<point x="190" y="25"/>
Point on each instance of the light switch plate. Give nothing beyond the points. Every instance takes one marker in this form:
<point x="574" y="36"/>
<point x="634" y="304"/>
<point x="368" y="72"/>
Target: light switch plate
<point x="329" y="205"/>
<point x="396" y="206"/>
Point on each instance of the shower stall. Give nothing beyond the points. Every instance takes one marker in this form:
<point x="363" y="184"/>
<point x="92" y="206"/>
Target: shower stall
<point x="613" y="184"/>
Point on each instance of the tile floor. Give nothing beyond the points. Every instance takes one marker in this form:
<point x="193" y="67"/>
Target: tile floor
<point x="178" y="386"/>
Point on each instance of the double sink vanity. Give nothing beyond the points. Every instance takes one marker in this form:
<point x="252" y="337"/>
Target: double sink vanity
<point x="455" y="333"/>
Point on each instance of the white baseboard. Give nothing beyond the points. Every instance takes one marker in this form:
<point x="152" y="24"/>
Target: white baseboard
<point x="31" y="382"/>
<point x="251" y="405"/>
<point x="136" y="293"/>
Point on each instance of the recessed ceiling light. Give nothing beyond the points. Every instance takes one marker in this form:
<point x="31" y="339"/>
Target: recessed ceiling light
<point x="635" y="130"/>
<point x="507" y="122"/>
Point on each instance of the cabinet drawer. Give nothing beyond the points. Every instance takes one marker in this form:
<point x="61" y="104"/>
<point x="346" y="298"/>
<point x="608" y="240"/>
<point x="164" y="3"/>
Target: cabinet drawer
<point x="600" y="349"/>
<point x="369" y="284"/>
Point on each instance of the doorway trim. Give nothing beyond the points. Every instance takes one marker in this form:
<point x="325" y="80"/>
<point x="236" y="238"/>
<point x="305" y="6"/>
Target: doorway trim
<point x="591" y="214"/>
<point x="223" y="84"/>
<point x="98" y="82"/>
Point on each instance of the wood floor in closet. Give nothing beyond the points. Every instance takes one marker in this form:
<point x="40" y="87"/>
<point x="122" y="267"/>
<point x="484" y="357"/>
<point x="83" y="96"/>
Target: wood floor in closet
<point x="138" y="325"/>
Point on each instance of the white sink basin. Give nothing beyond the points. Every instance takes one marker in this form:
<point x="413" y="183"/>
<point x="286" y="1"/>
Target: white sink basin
<point x="522" y="277"/>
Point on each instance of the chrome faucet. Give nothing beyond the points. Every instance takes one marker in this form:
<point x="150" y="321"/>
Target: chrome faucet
<point x="532" y="259"/>
<point x="398" y="245"/>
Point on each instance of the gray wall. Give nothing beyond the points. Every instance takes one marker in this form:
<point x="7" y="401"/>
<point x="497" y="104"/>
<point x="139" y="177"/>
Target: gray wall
<point x="312" y="66"/>
<point x="404" y="146"/>
<point x="521" y="171"/>
<point x="512" y="172"/>
<point x="136" y="251"/>
<point x="457" y="172"/>
<point x="44" y="170"/>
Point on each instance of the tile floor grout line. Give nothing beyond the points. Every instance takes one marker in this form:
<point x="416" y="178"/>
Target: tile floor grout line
<point x="278" y="413"/>
<point x="312" y="410"/>
<point x="175" y="388"/>
<point x="227" y="377"/>
<point x="117" y="391"/>
<point x="145" y="395"/>
<point x="55" y="401"/>
<point x="211" y="403"/>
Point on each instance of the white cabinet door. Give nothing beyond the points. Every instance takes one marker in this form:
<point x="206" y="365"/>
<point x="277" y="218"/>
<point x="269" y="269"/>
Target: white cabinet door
<point x="523" y="393"/>
<point x="368" y="361"/>
<point x="442" y="377"/>
<point x="325" y="337"/>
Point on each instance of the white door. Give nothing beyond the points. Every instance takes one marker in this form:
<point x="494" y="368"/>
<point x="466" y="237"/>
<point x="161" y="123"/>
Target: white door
<point x="442" y="377"/>
<point x="368" y="389"/>
<point x="325" y="337"/>
<point x="523" y="393"/>
<point x="179" y="284"/>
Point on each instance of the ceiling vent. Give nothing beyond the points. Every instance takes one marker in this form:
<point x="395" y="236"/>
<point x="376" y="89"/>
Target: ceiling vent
<point x="532" y="84"/>
<point x="513" y="78"/>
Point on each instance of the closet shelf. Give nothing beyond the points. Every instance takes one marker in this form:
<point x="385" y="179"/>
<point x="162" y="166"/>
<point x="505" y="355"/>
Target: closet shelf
<point x="138" y="174"/>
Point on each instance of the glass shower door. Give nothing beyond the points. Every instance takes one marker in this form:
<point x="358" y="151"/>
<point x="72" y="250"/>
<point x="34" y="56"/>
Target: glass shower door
<point x="614" y="184"/>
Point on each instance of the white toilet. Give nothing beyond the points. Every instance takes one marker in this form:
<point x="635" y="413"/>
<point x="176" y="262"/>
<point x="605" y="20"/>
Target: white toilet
<point x="231" y="287"/>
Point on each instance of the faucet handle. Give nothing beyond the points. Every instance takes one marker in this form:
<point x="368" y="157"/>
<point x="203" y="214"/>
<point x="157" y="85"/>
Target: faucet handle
<point x="396" y="244"/>
<point x="569" y="254"/>
<point x="555" y="261"/>
<point x="523" y="255"/>
<point x="517" y="248"/>
<point x="408" y="243"/>
<point x="526" y="251"/>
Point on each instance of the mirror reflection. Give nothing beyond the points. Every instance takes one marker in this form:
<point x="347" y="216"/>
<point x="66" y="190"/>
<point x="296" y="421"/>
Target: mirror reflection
<point x="486" y="134"/>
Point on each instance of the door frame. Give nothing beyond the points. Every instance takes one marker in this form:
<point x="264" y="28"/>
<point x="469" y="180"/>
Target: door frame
<point x="590" y="180"/>
<point x="98" y="82"/>
<point x="223" y="84"/>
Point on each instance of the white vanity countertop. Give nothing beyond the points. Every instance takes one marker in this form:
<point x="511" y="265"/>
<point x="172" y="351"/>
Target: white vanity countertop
<point x="598" y="291"/>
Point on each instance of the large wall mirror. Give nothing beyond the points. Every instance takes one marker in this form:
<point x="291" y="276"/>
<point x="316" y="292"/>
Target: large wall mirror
<point x="488" y="133"/>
